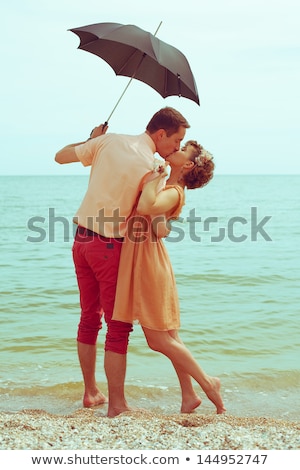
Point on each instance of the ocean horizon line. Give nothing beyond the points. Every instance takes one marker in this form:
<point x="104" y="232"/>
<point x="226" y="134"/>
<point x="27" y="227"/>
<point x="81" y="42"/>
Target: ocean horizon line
<point x="216" y="175"/>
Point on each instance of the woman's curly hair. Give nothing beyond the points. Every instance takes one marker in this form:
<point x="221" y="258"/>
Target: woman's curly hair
<point x="202" y="171"/>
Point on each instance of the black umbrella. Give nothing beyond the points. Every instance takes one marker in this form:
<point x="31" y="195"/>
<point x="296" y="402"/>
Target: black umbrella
<point x="138" y="54"/>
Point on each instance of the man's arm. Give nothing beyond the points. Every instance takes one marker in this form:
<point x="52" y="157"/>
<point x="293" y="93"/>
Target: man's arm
<point x="68" y="155"/>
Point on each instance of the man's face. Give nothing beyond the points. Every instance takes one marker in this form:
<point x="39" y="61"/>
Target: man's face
<point x="165" y="145"/>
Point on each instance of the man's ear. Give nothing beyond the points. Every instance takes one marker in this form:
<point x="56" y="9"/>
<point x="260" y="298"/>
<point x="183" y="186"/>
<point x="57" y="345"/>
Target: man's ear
<point x="160" y="133"/>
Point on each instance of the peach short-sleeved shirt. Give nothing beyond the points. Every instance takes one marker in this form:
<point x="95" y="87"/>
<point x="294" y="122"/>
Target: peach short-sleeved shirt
<point x="118" y="164"/>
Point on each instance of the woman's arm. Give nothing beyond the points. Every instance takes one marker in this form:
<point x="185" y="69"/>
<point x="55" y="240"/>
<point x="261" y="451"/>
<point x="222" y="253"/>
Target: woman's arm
<point x="154" y="203"/>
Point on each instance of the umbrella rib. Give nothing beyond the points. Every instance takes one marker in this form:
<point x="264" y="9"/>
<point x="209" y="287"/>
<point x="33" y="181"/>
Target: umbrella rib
<point x="137" y="67"/>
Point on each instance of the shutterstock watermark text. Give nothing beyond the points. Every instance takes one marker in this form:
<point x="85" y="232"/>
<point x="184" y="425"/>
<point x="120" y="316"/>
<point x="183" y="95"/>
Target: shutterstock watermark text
<point x="236" y="228"/>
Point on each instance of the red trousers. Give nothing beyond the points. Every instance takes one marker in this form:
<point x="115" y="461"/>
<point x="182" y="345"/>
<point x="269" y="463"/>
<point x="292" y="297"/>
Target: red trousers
<point x="96" y="261"/>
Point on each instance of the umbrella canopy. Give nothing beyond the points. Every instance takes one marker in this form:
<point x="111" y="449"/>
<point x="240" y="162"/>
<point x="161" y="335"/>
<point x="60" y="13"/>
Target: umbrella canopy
<point x="138" y="54"/>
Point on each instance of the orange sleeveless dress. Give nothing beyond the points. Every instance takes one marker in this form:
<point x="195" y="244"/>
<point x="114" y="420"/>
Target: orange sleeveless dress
<point x="146" y="289"/>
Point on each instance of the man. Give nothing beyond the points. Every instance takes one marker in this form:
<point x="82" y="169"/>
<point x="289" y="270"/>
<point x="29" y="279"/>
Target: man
<point x="118" y="165"/>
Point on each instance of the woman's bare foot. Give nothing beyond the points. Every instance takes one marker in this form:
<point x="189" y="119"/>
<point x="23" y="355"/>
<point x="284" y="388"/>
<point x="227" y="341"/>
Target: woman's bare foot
<point x="189" y="405"/>
<point x="94" y="399"/>
<point x="215" y="396"/>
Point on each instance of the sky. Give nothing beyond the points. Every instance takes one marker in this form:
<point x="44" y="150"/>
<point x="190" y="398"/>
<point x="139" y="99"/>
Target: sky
<point x="244" y="56"/>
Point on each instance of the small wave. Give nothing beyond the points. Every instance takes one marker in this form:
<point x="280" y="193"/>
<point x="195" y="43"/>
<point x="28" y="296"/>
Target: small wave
<point x="269" y="394"/>
<point x="238" y="280"/>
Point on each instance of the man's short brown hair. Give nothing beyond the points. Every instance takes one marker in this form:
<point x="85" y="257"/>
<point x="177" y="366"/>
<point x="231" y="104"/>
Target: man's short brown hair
<point x="168" y="119"/>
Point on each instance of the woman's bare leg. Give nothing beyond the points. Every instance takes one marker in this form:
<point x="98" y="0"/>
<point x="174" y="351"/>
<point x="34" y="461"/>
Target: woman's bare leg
<point x="190" y="399"/>
<point x="183" y="360"/>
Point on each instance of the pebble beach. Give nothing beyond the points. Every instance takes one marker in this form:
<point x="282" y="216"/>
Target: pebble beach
<point x="88" y="429"/>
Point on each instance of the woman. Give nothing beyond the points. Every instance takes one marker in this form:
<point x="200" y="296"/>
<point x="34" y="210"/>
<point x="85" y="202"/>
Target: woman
<point x="146" y="289"/>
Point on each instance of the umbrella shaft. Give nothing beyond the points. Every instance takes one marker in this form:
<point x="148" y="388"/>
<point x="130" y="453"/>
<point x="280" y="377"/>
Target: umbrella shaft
<point x="158" y="28"/>
<point x="125" y="89"/>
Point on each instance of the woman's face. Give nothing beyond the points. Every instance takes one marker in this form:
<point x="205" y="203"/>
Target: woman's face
<point x="179" y="158"/>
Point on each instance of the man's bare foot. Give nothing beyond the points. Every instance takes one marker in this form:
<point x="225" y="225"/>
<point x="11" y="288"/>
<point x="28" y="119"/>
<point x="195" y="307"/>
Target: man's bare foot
<point x="113" y="412"/>
<point x="94" y="399"/>
<point x="215" y="396"/>
<point x="189" y="405"/>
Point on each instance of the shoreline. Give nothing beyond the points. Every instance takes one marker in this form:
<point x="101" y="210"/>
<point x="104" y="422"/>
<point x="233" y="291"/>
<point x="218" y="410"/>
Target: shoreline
<point x="89" y="429"/>
<point x="66" y="399"/>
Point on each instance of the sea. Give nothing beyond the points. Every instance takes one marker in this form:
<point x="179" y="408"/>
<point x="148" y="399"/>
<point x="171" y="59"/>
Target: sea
<point x="235" y="255"/>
